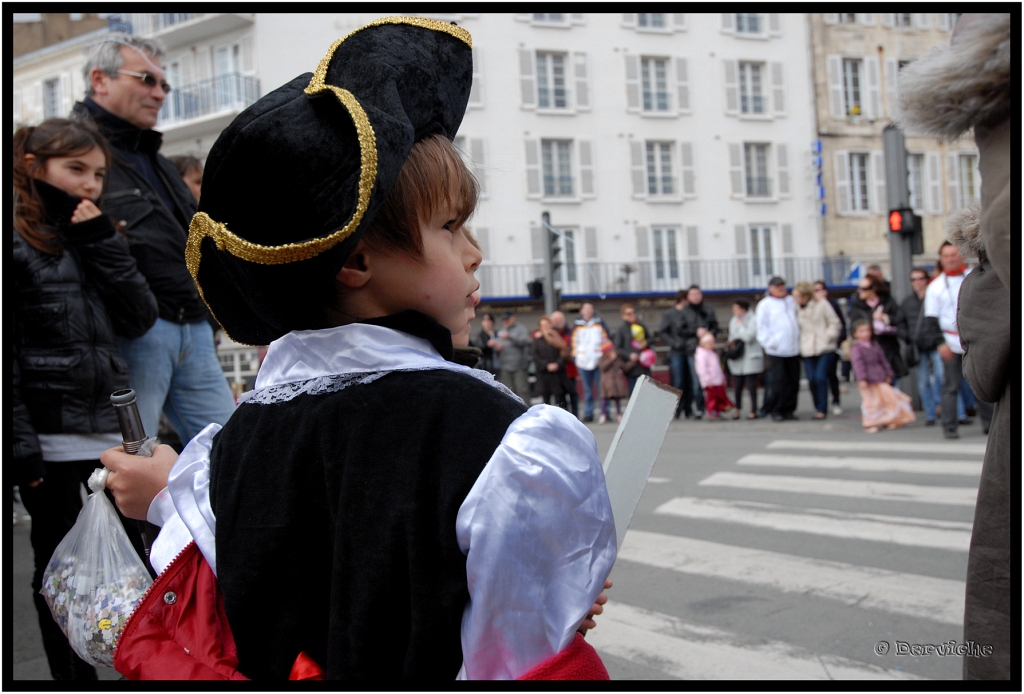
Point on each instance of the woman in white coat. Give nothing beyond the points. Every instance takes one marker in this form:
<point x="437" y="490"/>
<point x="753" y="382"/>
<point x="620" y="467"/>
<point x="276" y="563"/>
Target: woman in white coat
<point x="746" y="368"/>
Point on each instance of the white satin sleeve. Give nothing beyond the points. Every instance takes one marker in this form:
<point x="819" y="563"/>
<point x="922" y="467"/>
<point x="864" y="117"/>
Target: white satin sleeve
<point x="539" y="539"/>
<point x="183" y="508"/>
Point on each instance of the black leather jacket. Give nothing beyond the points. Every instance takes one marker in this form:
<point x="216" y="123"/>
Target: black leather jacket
<point x="697" y="316"/>
<point x="67" y="309"/>
<point x="156" y="234"/>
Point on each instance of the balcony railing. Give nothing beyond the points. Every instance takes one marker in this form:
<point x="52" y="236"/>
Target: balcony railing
<point x="146" y="23"/>
<point x="663" y="277"/>
<point x="228" y="92"/>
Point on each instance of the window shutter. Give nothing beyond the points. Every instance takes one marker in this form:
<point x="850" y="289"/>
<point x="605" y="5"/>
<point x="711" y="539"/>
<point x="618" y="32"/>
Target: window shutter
<point x="636" y="153"/>
<point x="736" y="169"/>
<point x="688" y="169"/>
<point x="203" y="65"/>
<point x="953" y="179"/>
<point x="586" y="168"/>
<point x="787" y="239"/>
<point x="679" y="21"/>
<point x="577" y="18"/>
<point x="874" y="87"/>
<point x="888" y="19"/>
<point x="942" y="20"/>
<point x="187" y="71"/>
<point x="526" y="79"/>
<point x="37" y="108"/>
<point x="842" y="181"/>
<point x="775" y="24"/>
<point x="731" y="90"/>
<point x="782" y="158"/>
<point x="692" y="247"/>
<point x="892" y="69"/>
<point x="476" y="95"/>
<point x="931" y="163"/>
<point x="483" y="237"/>
<point x="65" y="94"/>
<point x="537" y="243"/>
<point x="881" y="201"/>
<point x="683" y="82"/>
<point x="590" y="242"/>
<point x="629" y="19"/>
<point x="476" y="153"/>
<point x="831" y="18"/>
<point x="582" y="81"/>
<point x="778" y="90"/>
<point x="632" y="84"/>
<point x="836" y="107"/>
<point x="867" y="19"/>
<point x="727" y="22"/>
<point x="643" y="249"/>
<point x="923" y="20"/>
<point x="741" y="239"/>
<point x="533" y="168"/>
<point x="248" y="65"/>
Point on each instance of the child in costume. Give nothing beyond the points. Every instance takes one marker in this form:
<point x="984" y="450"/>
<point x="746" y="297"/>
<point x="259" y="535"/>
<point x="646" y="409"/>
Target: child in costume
<point x="372" y="510"/>
<point x="712" y="378"/>
<point x="613" y="382"/>
<point x="881" y="404"/>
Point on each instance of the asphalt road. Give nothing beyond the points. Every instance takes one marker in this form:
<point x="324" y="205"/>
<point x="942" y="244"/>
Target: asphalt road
<point x="760" y="550"/>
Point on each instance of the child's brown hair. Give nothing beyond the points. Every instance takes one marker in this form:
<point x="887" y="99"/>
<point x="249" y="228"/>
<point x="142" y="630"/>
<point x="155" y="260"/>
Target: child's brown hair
<point x="433" y="177"/>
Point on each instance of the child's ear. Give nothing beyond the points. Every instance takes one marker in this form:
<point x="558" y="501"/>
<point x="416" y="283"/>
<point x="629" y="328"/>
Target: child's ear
<point x="355" y="273"/>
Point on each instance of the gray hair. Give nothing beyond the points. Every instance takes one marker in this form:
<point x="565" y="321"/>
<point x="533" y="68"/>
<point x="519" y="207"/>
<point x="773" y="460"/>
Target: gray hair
<point x="105" y="54"/>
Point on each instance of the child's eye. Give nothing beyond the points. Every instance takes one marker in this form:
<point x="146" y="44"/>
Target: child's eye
<point x="449" y="225"/>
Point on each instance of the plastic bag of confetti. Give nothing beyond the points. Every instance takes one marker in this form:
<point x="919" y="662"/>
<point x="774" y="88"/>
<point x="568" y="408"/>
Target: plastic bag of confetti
<point x="95" y="579"/>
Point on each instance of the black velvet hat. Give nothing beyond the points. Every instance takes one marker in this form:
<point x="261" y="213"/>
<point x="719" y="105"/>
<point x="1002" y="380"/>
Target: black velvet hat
<point x="295" y="180"/>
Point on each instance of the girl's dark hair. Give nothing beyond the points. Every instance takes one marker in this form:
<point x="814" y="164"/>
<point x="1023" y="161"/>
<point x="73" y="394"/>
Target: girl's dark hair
<point x="859" y="322"/>
<point x="56" y="137"/>
<point x="743" y="304"/>
<point x="488" y="316"/>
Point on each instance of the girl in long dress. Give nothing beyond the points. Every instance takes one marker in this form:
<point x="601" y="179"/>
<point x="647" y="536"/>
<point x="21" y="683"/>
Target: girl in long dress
<point x="881" y="405"/>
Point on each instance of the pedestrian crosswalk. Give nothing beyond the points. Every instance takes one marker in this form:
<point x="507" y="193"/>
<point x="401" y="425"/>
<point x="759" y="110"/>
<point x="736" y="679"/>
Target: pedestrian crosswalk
<point x="908" y="497"/>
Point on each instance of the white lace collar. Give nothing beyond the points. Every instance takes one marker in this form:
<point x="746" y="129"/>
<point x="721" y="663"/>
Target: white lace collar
<point x="324" y="361"/>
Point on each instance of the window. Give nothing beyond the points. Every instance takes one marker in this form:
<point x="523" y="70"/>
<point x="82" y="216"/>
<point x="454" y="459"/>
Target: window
<point x="568" y="246"/>
<point x="748" y="23"/>
<point x="859" y="181"/>
<point x="847" y="18"/>
<point x="51" y="98"/>
<point x="852" y="70"/>
<point x="659" y="169"/>
<point x="552" y="91"/>
<point x="651" y="19"/>
<point x="548" y="17"/>
<point x="762" y="256"/>
<point x="666" y="255"/>
<point x="654" y="81"/>
<point x="751" y="93"/>
<point x="905" y="20"/>
<point x="915" y="181"/>
<point x="755" y="159"/>
<point x="557" y="168"/>
<point x="966" y="183"/>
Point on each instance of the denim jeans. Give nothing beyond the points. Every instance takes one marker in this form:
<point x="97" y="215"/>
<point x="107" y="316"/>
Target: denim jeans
<point x="591" y="380"/>
<point x="174" y="369"/>
<point x="698" y="391"/>
<point x="817" y="369"/>
<point x="929" y="382"/>
<point x="680" y="371"/>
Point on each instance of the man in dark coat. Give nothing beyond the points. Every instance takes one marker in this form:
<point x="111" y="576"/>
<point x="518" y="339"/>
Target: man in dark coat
<point x="696" y="316"/>
<point x="671" y="333"/>
<point x="945" y="94"/>
<point x="173" y="367"/>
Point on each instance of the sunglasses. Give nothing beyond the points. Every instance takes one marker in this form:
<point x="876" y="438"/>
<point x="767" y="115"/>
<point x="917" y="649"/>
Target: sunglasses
<point x="148" y="80"/>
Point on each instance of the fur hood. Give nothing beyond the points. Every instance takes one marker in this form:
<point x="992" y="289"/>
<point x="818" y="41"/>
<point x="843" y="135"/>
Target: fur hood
<point x="950" y="90"/>
<point x="963" y="229"/>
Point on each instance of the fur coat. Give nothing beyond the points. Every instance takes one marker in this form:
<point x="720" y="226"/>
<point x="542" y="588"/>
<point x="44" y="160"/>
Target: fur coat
<point x="944" y="94"/>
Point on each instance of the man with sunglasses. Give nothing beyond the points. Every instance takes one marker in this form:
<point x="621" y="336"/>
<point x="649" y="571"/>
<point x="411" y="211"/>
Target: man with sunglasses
<point x="173" y="367"/>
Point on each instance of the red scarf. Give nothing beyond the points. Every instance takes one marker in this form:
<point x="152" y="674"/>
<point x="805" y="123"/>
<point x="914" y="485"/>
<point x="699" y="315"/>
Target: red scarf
<point x="959" y="271"/>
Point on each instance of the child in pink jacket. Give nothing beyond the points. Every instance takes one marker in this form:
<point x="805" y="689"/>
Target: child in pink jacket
<point x="712" y="378"/>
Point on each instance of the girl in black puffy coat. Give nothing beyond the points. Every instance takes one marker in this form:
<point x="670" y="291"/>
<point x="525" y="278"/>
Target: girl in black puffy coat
<point x="76" y="286"/>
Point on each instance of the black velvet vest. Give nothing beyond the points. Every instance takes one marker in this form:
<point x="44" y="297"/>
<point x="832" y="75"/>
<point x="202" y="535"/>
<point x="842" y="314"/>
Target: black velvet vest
<point x="336" y="521"/>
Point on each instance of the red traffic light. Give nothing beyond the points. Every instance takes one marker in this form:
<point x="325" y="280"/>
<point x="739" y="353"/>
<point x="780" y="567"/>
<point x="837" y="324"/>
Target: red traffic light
<point x="895" y="221"/>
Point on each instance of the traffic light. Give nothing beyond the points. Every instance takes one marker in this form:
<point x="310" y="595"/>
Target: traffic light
<point x="556" y="252"/>
<point x="906" y="222"/>
<point x="536" y="289"/>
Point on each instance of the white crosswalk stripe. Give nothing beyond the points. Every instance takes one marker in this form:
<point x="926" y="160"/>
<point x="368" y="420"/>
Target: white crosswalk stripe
<point x="963" y="496"/>
<point x="689" y="651"/>
<point x="939" y="519"/>
<point x="918" y="596"/>
<point x="900" y="530"/>
<point x="883" y="447"/>
<point x="923" y="467"/>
